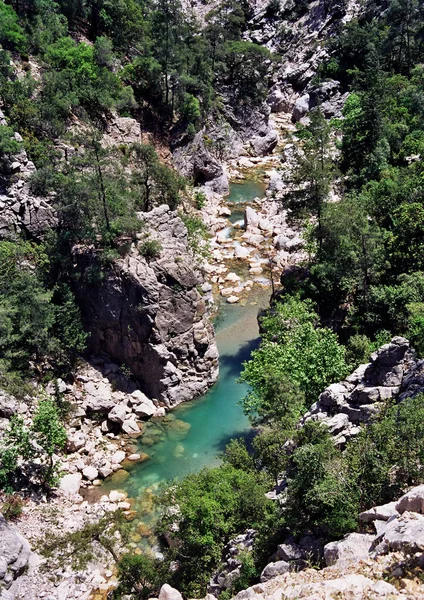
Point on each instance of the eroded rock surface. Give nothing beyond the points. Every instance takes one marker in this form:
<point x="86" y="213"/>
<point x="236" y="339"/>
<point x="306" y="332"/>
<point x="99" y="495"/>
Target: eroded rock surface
<point x="14" y="555"/>
<point x="151" y="316"/>
<point x="392" y="373"/>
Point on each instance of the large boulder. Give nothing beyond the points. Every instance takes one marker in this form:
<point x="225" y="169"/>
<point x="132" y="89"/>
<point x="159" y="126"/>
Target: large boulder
<point x="169" y="593"/>
<point x="266" y="144"/>
<point x="380" y="513"/>
<point x="149" y="315"/>
<point x="405" y="534"/>
<point x="70" y="484"/>
<point x="8" y="405"/>
<point x="412" y="501"/>
<point x="353" y="547"/>
<point x="274" y="569"/>
<point x="301" y="108"/>
<point x="15" y="553"/>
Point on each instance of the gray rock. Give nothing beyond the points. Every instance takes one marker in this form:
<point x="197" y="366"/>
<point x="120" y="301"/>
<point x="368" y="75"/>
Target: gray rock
<point x="8" y="405"/>
<point x="289" y="550"/>
<point x="264" y="145"/>
<point x="405" y="534"/>
<point x="353" y="547"/>
<point x="412" y="501"/>
<point x="380" y="513"/>
<point x="98" y="404"/>
<point x="76" y="441"/>
<point x="150" y="315"/>
<point x="301" y="108"/>
<point x="15" y="554"/>
<point x="274" y="569"/>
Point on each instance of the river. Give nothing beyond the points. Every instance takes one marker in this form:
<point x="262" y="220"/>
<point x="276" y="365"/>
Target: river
<point x="194" y="435"/>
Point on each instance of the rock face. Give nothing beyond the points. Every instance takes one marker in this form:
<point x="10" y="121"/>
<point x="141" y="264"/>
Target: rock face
<point x="14" y="554"/>
<point x="353" y="547"/>
<point x="151" y="317"/>
<point x="392" y="373"/>
<point x="20" y="210"/>
<point x="357" y="565"/>
<point x="229" y="570"/>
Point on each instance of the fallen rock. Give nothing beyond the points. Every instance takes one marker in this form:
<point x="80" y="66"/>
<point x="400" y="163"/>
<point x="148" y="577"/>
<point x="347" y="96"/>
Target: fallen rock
<point x="412" y="501"/>
<point x="353" y="547"/>
<point x="118" y="414"/>
<point x="273" y="569"/>
<point x="169" y="593"/>
<point x="15" y="554"/>
<point x="301" y="108"/>
<point x="380" y="513"/>
<point x="76" y="441"/>
<point x="266" y="144"/>
<point x="90" y="473"/>
<point x="8" y="405"/>
<point x="70" y="484"/>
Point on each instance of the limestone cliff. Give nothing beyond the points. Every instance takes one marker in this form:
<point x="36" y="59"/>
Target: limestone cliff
<point x="150" y="315"/>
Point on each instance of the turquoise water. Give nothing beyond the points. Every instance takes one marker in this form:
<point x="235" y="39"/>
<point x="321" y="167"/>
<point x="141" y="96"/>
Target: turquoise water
<point x="195" y="434"/>
<point x="246" y="191"/>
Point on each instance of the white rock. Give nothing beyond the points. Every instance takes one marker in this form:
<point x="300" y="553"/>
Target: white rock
<point x="118" y="413"/>
<point x="412" y="501"/>
<point x="242" y="251"/>
<point x="90" y="473"/>
<point x="169" y="593"/>
<point x="118" y="457"/>
<point x="233" y="277"/>
<point x="71" y="483"/>
<point x="115" y="496"/>
<point x="233" y="299"/>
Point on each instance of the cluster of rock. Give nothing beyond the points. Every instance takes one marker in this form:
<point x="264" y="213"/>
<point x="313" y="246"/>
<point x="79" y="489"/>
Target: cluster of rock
<point x="150" y="314"/>
<point x="26" y="573"/>
<point x="355" y="565"/>
<point x="229" y="570"/>
<point x="261" y="241"/>
<point x="232" y="134"/>
<point x="393" y="373"/>
<point x="20" y="210"/>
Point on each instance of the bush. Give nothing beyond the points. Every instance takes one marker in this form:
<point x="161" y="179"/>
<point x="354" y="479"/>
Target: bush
<point x="12" y="507"/>
<point x="150" y="249"/>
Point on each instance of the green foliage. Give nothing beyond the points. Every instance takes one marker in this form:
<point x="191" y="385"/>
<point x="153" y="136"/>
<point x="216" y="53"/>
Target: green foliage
<point x="27" y="454"/>
<point x="388" y="455"/>
<point x="139" y="575"/>
<point x="197" y="234"/>
<point x="12" y="36"/>
<point x="212" y="505"/>
<point x="314" y="171"/>
<point x="36" y="322"/>
<point x="320" y="491"/>
<point x="295" y="362"/>
<point x="150" y="249"/>
<point x="12" y="507"/>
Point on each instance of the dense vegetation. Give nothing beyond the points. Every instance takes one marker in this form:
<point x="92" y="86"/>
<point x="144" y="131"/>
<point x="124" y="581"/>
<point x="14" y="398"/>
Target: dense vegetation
<point x="364" y="280"/>
<point x="363" y="283"/>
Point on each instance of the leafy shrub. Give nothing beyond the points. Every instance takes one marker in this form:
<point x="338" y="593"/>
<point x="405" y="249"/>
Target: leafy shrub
<point x="150" y="249"/>
<point x="12" y="506"/>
